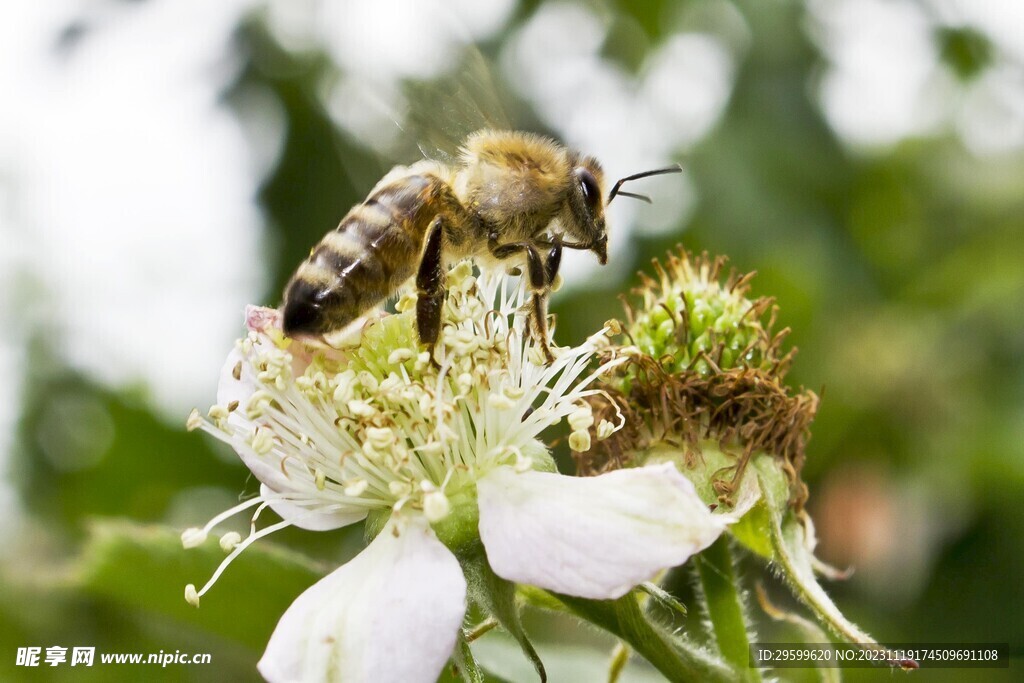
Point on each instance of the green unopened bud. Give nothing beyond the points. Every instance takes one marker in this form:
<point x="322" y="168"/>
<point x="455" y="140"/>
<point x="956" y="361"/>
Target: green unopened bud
<point x="688" y="318"/>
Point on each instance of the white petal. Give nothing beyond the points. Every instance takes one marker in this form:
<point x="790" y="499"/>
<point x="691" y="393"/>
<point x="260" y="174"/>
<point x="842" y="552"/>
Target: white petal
<point x="312" y="519"/>
<point x="290" y="478"/>
<point x="592" y="537"/>
<point x="391" y="614"/>
<point x="230" y="389"/>
<point x="262" y="321"/>
<point x="305" y="518"/>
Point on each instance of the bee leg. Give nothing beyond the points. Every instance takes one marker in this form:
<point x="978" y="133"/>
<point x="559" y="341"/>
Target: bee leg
<point x="430" y="286"/>
<point x="553" y="263"/>
<point x="537" y="271"/>
<point x="539" y="324"/>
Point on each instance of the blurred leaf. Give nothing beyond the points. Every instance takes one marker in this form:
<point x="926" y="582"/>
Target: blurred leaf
<point x="134" y="466"/>
<point x="965" y="50"/>
<point x="626" y="43"/>
<point x="145" y="568"/>
<point x="320" y="173"/>
<point x="649" y="15"/>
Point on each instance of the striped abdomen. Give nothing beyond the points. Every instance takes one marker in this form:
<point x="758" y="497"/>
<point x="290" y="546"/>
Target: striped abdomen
<point x="371" y="253"/>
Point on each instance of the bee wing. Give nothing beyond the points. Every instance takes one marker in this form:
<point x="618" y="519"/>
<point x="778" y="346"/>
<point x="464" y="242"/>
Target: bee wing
<point x="443" y="112"/>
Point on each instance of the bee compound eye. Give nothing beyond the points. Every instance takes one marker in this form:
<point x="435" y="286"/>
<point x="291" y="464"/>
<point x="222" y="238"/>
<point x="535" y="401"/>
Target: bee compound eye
<point x="588" y="185"/>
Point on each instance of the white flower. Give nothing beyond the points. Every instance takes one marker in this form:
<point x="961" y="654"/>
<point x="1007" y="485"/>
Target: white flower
<point x="377" y="429"/>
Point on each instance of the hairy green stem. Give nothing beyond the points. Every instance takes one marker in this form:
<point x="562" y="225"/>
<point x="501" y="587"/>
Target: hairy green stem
<point x="465" y="663"/>
<point x="620" y="658"/>
<point x="725" y="607"/>
<point x="677" y="660"/>
<point x="498" y="598"/>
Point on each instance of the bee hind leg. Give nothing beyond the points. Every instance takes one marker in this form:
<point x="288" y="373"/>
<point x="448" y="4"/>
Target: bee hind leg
<point x="430" y="286"/>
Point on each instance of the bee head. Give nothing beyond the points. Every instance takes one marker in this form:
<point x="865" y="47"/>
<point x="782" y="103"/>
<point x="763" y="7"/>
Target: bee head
<point x="583" y="215"/>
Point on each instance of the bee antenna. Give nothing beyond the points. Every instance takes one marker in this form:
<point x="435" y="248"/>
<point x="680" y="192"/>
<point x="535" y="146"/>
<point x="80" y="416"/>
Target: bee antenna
<point x="674" y="168"/>
<point x="633" y="195"/>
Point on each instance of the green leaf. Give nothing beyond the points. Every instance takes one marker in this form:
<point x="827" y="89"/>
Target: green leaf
<point x="145" y="568"/>
<point x="966" y="51"/>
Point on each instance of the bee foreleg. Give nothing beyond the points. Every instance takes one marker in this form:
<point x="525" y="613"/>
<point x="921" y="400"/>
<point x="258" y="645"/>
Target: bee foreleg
<point x="553" y="262"/>
<point x="539" y="276"/>
<point x="537" y="272"/>
<point x="430" y="285"/>
<point x="539" y="323"/>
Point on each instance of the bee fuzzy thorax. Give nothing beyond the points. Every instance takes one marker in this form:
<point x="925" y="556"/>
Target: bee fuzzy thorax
<point x="509" y="175"/>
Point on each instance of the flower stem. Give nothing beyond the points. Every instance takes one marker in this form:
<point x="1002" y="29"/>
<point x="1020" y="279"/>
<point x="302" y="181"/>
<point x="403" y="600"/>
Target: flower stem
<point x="465" y="663"/>
<point x="725" y="606"/>
<point x="620" y="658"/>
<point x="675" y="658"/>
<point x="498" y="597"/>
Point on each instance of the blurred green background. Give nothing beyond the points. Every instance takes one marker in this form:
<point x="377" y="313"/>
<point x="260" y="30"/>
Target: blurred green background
<point x="866" y="157"/>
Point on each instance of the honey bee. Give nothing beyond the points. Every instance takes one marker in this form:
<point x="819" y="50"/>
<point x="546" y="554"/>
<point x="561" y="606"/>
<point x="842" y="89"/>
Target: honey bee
<point x="510" y="197"/>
